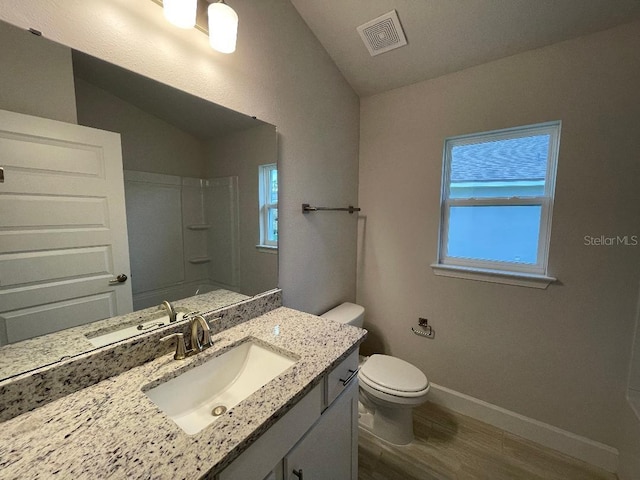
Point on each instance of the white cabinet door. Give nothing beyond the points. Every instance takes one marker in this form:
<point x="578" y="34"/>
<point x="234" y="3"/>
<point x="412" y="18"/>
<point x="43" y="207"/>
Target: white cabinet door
<point x="329" y="451"/>
<point x="259" y="459"/>
<point x="63" y="231"/>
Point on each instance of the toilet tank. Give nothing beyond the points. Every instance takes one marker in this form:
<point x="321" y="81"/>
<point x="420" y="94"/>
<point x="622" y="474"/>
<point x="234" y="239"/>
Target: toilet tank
<point x="349" y="313"/>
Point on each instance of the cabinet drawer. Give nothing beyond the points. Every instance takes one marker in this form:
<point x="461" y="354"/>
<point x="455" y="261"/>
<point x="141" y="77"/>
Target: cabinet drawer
<point x="341" y="376"/>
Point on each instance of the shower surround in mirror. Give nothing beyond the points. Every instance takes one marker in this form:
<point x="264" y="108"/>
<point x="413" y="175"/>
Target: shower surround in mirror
<point x="183" y="175"/>
<point x="193" y="224"/>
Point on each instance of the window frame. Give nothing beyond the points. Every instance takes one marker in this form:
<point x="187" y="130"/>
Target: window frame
<point x="264" y="187"/>
<point x="499" y="270"/>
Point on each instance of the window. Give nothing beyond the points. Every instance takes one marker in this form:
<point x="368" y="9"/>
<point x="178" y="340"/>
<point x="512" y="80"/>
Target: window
<point x="268" y="196"/>
<point x="497" y="198"/>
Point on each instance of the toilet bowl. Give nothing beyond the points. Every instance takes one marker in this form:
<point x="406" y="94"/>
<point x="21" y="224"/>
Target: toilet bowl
<point x="389" y="387"/>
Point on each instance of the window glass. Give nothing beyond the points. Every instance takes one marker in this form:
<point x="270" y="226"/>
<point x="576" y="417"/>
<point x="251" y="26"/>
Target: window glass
<point x="499" y="233"/>
<point x="500" y="167"/>
<point x="273" y="186"/>
<point x="268" y="198"/>
<point x="272" y="233"/>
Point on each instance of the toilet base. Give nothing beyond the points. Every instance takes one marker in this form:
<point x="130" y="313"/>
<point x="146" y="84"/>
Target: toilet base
<point x="393" y="425"/>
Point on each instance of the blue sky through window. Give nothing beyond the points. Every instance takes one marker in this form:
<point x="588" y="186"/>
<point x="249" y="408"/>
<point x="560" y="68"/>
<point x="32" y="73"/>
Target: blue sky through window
<point x="495" y="233"/>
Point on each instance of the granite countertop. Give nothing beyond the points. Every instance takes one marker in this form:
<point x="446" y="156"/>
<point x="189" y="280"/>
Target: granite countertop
<point x="51" y="348"/>
<point x="112" y="430"/>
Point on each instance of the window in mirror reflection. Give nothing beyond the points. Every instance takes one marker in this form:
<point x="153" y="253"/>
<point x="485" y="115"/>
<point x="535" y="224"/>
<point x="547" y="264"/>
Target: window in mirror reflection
<point x="268" y="195"/>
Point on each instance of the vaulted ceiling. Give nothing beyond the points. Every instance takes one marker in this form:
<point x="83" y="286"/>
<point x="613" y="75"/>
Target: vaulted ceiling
<point x="445" y="36"/>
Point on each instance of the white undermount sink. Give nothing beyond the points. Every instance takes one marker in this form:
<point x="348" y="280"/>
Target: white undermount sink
<point x="197" y="397"/>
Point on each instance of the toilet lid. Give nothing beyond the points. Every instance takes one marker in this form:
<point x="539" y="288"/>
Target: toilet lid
<point x="394" y="374"/>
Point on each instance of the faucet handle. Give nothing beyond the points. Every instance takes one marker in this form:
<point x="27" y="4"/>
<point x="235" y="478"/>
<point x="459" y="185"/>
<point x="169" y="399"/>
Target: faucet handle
<point x="188" y="315"/>
<point x="181" y="351"/>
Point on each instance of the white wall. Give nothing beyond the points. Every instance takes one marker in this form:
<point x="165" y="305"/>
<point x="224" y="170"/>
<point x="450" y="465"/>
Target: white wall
<point x="559" y="355"/>
<point x="240" y="154"/>
<point x="280" y="74"/>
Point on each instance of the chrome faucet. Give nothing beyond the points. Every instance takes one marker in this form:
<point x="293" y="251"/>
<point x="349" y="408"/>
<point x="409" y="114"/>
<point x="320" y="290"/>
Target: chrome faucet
<point x="199" y="323"/>
<point x="170" y="310"/>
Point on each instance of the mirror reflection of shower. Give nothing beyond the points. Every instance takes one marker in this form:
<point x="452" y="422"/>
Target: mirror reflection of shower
<point x="183" y="235"/>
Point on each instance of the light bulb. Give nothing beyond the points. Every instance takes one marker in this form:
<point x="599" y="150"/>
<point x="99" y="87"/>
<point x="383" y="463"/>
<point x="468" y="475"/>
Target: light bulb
<point x="223" y="27"/>
<point x="181" y="13"/>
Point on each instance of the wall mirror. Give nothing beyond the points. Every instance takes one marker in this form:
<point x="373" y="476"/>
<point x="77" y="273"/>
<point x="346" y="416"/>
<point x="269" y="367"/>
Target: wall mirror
<point x="200" y="219"/>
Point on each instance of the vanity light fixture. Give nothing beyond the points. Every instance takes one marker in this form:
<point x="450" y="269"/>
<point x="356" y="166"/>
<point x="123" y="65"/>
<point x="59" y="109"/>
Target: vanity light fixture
<point x="181" y="13"/>
<point x="222" y="20"/>
<point x="223" y="27"/>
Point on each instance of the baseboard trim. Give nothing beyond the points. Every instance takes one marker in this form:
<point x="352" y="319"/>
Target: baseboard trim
<point x="582" y="448"/>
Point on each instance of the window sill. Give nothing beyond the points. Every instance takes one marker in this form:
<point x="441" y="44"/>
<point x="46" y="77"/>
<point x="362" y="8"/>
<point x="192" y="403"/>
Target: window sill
<point x="267" y="249"/>
<point x="493" y="276"/>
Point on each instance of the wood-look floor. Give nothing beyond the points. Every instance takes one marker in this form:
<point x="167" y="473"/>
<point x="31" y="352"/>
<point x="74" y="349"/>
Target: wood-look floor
<point x="452" y="446"/>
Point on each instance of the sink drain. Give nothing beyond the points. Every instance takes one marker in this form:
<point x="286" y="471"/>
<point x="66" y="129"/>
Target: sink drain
<point x="219" y="410"/>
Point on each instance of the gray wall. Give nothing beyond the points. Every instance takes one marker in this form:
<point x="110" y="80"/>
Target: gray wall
<point x="634" y="373"/>
<point x="279" y="73"/>
<point x="239" y="154"/>
<point x="148" y="143"/>
<point x="42" y="70"/>
<point x="630" y="431"/>
<point x="559" y="355"/>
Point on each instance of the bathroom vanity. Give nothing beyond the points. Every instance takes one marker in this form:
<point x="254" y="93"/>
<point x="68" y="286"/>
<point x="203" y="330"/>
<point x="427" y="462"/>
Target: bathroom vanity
<point x="319" y="435"/>
<point x="304" y="421"/>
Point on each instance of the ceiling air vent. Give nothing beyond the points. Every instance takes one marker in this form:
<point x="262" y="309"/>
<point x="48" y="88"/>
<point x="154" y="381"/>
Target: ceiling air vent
<point x="383" y="34"/>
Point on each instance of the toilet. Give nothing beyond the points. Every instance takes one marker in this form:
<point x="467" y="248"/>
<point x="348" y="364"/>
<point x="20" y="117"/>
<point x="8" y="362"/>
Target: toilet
<point x="389" y="387"/>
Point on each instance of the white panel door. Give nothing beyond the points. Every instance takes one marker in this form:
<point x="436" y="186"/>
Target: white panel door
<point x="63" y="230"/>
